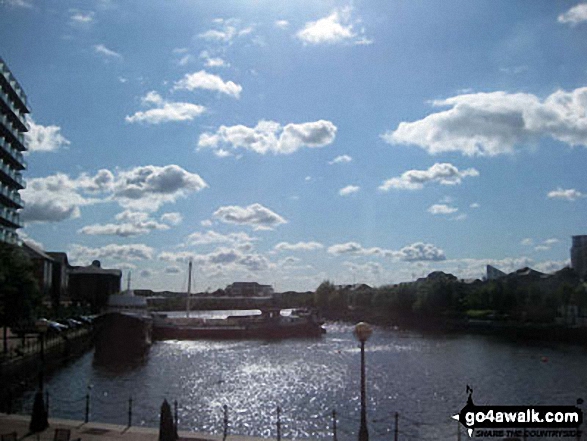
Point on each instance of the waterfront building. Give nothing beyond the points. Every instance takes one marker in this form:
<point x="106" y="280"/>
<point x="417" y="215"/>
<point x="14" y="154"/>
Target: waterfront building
<point x="249" y="289"/>
<point x="93" y="284"/>
<point x="42" y="268"/>
<point x="59" y="292"/>
<point x="13" y="125"/>
<point x="579" y="255"/>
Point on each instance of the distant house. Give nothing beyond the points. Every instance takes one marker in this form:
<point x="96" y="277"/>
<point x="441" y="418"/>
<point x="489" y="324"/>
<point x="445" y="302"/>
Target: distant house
<point x="249" y="289"/>
<point x="93" y="284"/>
<point x="493" y="273"/>
<point x="60" y="280"/>
<point x="43" y="267"/>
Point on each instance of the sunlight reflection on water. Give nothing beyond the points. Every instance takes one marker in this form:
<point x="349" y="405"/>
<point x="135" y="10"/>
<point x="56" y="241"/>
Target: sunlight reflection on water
<point x="423" y="378"/>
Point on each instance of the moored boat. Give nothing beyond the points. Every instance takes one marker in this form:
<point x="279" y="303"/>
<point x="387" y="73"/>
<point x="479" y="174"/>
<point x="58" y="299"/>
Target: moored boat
<point x="270" y="324"/>
<point x="125" y="329"/>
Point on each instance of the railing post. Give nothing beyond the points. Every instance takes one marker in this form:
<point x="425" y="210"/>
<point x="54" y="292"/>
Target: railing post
<point x="334" y="436"/>
<point x="225" y="432"/>
<point x="9" y="410"/>
<point x="396" y="432"/>
<point x="129" y="411"/>
<point x="278" y="423"/>
<point x="87" y="417"/>
<point x="175" y="415"/>
<point x="47" y="402"/>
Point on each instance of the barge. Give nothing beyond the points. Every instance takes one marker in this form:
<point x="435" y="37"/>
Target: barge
<point x="125" y="329"/>
<point x="270" y="324"/>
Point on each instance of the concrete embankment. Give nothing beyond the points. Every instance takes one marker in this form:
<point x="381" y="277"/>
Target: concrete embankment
<point x="99" y="431"/>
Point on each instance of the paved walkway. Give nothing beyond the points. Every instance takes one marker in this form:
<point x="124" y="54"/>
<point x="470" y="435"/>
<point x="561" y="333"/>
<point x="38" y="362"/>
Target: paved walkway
<point x="98" y="431"/>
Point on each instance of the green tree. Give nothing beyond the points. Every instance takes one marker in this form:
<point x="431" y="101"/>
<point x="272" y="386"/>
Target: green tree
<point x="323" y="294"/>
<point x="19" y="291"/>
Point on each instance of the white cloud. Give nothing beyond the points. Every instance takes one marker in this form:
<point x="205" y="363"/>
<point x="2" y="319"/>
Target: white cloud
<point x="474" y="205"/>
<point x="185" y="60"/>
<point x="270" y="136"/>
<point x="107" y="53"/>
<point x="552" y="266"/>
<point x="442" y="173"/>
<point x="19" y="3"/>
<point x="489" y="124"/>
<point x="53" y="198"/>
<point x="416" y="252"/>
<point x="172" y="218"/>
<point x="165" y="111"/>
<point x="342" y="159"/>
<point x="373" y="268"/>
<point x="227" y="31"/>
<point x="528" y="242"/>
<point x="348" y="190"/>
<point x="240" y="240"/>
<point x="229" y="259"/>
<point x="569" y="194"/>
<point x="337" y="27"/>
<point x="355" y="249"/>
<point x="132" y="223"/>
<point x="208" y="81"/>
<point x="577" y="14"/>
<point x="420" y="252"/>
<point x="545" y="245"/>
<point x="282" y="24"/>
<point x="58" y="197"/>
<point x="216" y="62"/>
<point x="148" y="187"/>
<point x="41" y="138"/>
<point x="26" y="238"/>
<point x="146" y="273"/>
<point x="442" y="209"/>
<point x="79" y="17"/>
<point x="255" y="215"/>
<point x="172" y="270"/>
<point x="137" y="251"/>
<point x="300" y="246"/>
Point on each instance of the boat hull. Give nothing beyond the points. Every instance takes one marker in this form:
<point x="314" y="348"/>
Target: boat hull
<point x="122" y="335"/>
<point x="170" y="331"/>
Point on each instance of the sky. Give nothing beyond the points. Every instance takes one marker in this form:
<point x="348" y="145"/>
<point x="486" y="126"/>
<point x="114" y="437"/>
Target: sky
<point x="294" y="142"/>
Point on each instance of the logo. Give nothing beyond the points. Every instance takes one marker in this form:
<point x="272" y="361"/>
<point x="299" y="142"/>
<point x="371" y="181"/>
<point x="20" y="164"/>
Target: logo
<point x="512" y="421"/>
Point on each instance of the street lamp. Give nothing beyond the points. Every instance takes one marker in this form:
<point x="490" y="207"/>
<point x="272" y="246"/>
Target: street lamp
<point x="42" y="326"/>
<point x="363" y="331"/>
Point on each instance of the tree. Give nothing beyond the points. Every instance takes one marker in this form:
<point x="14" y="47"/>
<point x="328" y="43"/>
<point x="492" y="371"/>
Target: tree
<point x="323" y="294"/>
<point x="19" y="291"/>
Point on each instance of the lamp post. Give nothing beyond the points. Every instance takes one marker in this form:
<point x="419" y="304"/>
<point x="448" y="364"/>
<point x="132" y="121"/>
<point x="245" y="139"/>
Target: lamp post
<point x="363" y="331"/>
<point x="42" y="326"/>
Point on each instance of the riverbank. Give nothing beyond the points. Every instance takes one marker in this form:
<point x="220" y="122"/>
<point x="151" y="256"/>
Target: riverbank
<point x="98" y="431"/>
<point x="21" y="366"/>
<point x="512" y="331"/>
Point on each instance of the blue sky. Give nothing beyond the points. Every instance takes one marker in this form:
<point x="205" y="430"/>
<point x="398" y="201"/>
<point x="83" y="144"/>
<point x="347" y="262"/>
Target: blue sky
<point x="293" y="142"/>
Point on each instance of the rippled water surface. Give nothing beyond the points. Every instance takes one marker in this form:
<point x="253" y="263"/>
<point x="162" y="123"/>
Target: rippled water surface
<point x="421" y="378"/>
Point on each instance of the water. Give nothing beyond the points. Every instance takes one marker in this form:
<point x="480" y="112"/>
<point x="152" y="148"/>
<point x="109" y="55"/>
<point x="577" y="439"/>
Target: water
<point x="422" y="378"/>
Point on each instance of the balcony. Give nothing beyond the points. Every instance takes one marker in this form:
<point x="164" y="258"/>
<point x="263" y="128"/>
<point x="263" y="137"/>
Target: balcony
<point x="8" y="236"/>
<point x="13" y="133"/>
<point x="18" y="117"/>
<point x="14" y="156"/>
<point x="10" y="217"/>
<point x="11" y="197"/>
<point x="13" y="175"/>
<point x="16" y="90"/>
